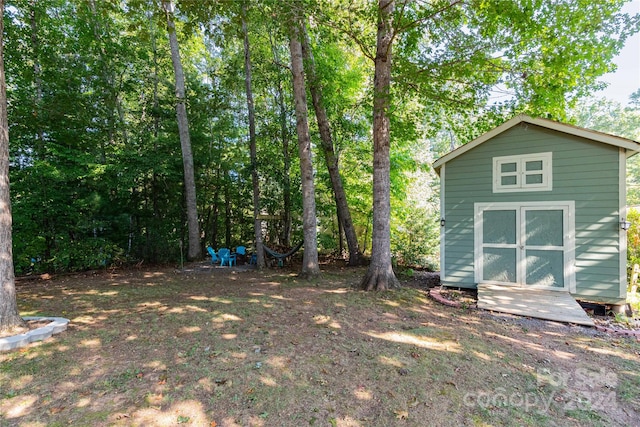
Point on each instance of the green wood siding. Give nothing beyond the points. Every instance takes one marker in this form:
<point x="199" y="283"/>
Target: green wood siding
<point x="583" y="171"/>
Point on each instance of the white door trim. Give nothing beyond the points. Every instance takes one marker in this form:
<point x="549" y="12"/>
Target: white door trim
<point x="622" y="234"/>
<point x="568" y="208"/>
<point x="443" y="230"/>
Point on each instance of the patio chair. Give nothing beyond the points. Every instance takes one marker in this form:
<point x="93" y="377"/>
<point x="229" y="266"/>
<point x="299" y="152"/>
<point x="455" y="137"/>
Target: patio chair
<point x="241" y="254"/>
<point x="214" y="257"/>
<point x="226" y="257"/>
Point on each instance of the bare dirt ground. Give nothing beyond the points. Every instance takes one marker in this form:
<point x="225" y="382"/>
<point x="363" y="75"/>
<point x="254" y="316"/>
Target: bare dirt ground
<point x="211" y="346"/>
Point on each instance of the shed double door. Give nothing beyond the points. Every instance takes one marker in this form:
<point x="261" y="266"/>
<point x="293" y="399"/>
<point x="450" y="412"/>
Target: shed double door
<point x="524" y="244"/>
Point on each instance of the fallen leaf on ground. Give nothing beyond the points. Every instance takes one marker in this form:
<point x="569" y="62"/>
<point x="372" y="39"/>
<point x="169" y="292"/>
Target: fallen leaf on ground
<point x="401" y="415"/>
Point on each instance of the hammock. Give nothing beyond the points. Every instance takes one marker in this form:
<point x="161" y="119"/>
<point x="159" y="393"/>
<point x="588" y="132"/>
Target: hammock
<point x="280" y="256"/>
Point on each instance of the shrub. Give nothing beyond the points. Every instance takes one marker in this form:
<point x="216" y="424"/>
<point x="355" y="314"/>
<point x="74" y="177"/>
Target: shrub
<point x="633" y="240"/>
<point x="415" y="242"/>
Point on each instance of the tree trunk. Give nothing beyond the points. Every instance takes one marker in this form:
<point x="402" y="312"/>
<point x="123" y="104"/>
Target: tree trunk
<point x="216" y="212"/>
<point x="109" y="91"/>
<point x="10" y="319"/>
<point x="257" y="223"/>
<point x="112" y="96"/>
<point x="380" y="275"/>
<point x="152" y="248"/>
<point x="344" y="215"/>
<point x="194" y="250"/>
<point x="227" y="212"/>
<point x="40" y="153"/>
<point x="286" y="184"/>
<point x="340" y="234"/>
<point x="285" y="235"/>
<point x="310" y="265"/>
<point x="37" y="79"/>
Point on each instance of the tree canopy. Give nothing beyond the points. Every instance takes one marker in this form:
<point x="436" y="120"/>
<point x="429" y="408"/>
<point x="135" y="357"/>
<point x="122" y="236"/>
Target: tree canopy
<point x="96" y="159"/>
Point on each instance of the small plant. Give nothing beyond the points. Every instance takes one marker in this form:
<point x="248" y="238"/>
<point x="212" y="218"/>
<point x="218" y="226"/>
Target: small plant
<point x="633" y="240"/>
<point x="120" y="381"/>
<point x="409" y="273"/>
<point x="622" y="319"/>
<point x="633" y="299"/>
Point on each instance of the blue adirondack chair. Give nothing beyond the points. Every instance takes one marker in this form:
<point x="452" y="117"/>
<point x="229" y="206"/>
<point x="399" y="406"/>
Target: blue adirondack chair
<point x="226" y="257"/>
<point x="214" y="257"/>
<point x="241" y="254"/>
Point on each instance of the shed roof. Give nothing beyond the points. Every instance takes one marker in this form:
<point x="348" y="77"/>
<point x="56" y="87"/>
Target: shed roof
<point x="632" y="147"/>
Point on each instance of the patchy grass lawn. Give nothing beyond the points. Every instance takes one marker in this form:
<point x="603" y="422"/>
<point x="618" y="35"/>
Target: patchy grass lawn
<point x="227" y="347"/>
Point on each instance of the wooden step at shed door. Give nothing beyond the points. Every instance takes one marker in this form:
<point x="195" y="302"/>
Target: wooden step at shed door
<point x="559" y="306"/>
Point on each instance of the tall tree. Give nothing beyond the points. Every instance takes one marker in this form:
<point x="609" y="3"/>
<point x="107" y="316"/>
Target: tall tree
<point x="257" y="222"/>
<point x="286" y="170"/>
<point x="37" y="74"/>
<point x="330" y="157"/>
<point x="109" y="90"/>
<point x="194" y="250"/>
<point x="10" y="320"/>
<point x="284" y="134"/>
<point x="380" y="275"/>
<point x="310" y="266"/>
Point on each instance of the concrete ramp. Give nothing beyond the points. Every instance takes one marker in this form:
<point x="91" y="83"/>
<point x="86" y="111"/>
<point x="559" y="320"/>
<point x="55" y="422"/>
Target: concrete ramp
<point x="543" y="304"/>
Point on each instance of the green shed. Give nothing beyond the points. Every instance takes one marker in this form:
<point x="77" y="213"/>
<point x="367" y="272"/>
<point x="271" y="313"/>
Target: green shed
<point x="537" y="204"/>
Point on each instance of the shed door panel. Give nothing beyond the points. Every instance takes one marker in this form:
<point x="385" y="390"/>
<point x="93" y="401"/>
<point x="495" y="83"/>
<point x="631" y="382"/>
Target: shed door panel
<point x="524" y="245"/>
<point x="544" y="246"/>
<point x="545" y="268"/>
<point x="499" y="241"/>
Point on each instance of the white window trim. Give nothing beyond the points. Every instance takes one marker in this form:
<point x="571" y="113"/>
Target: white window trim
<point x="521" y="173"/>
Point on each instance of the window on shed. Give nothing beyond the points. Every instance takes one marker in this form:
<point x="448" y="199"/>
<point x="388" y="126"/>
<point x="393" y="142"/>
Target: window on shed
<point x="528" y="172"/>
